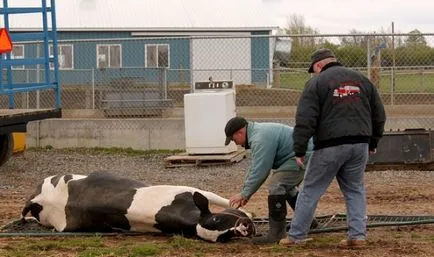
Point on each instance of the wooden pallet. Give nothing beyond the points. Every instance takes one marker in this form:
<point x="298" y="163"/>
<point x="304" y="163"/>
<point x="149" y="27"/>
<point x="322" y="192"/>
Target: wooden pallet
<point x="184" y="159"/>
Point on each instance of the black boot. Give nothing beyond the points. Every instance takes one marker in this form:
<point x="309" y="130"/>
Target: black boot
<point x="276" y="221"/>
<point x="292" y="200"/>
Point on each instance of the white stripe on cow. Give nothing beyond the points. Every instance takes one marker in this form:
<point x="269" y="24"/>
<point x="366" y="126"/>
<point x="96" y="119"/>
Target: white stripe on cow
<point x="211" y="235"/>
<point x="54" y="199"/>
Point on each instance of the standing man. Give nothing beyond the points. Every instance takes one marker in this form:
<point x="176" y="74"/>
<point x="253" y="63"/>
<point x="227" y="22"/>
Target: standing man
<point x="343" y="112"/>
<point x="271" y="148"/>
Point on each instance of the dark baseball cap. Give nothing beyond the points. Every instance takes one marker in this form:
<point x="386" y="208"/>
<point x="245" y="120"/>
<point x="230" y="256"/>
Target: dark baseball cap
<point x="319" y="55"/>
<point x="232" y="126"/>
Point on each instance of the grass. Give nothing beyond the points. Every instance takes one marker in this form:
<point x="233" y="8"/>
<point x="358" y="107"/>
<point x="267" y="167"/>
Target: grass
<point x="405" y="82"/>
<point x="35" y="247"/>
<point x="110" y="150"/>
<point x="180" y="243"/>
<point x="97" y="247"/>
<point x="81" y="247"/>
<point x="146" y="249"/>
<point x="180" y="246"/>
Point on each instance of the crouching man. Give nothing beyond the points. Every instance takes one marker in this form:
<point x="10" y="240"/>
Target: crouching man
<point x="272" y="152"/>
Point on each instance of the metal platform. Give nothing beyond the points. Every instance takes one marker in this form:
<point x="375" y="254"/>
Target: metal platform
<point x="15" y="120"/>
<point x="46" y="63"/>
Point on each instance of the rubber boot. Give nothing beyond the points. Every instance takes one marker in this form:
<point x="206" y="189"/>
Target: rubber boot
<point x="276" y="221"/>
<point x="292" y="200"/>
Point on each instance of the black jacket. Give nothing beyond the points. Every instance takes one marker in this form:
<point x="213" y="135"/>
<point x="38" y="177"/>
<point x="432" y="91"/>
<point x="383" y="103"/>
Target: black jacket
<point x="338" y="106"/>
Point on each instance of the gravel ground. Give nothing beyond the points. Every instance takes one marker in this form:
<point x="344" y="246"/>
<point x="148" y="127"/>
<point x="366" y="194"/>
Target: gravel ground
<point x="389" y="193"/>
<point x="385" y="189"/>
<point x="19" y="176"/>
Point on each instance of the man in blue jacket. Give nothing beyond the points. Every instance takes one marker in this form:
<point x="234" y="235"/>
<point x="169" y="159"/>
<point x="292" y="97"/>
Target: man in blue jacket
<point x="271" y="147"/>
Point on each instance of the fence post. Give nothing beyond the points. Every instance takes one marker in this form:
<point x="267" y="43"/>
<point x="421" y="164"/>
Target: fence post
<point x="392" y="87"/>
<point x="27" y="101"/>
<point x="191" y="67"/>
<point x="93" y="89"/>
<point x="421" y="81"/>
<point x="276" y="74"/>
<point x="165" y="81"/>
<point x="38" y="77"/>
<point x="368" y="57"/>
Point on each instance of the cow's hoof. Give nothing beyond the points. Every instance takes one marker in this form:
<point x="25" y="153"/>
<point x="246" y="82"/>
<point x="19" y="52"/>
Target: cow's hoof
<point x="249" y="214"/>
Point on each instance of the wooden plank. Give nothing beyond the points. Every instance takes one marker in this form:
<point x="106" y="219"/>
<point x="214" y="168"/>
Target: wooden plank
<point x="184" y="159"/>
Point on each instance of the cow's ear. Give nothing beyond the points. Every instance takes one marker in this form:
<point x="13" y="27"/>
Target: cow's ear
<point x="201" y="202"/>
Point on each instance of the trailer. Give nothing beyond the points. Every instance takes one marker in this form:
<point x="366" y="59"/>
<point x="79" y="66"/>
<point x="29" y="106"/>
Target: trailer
<point x="411" y="149"/>
<point x="44" y="75"/>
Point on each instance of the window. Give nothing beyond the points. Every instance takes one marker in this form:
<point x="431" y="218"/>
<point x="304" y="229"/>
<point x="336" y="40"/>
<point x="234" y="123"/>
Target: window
<point x="65" y="57"/>
<point x="17" y="53"/>
<point x="156" y="56"/>
<point x="108" y="56"/>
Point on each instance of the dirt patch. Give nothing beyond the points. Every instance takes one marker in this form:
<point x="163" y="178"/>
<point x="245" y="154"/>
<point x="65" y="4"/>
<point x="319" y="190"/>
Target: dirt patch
<point x="389" y="193"/>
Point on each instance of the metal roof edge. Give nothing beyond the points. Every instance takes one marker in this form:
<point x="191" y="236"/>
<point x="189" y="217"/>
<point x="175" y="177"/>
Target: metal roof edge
<point x="154" y="29"/>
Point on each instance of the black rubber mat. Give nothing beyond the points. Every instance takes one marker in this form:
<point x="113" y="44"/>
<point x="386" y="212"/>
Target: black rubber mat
<point x="338" y="222"/>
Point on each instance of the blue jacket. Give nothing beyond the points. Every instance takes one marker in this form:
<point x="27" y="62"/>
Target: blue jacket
<point x="271" y="147"/>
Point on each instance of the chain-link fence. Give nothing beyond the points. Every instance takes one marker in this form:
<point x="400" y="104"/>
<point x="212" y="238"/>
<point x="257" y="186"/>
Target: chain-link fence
<point x="148" y="76"/>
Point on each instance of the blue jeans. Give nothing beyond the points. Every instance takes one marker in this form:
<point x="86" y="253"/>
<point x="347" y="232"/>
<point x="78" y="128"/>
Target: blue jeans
<point x="345" y="162"/>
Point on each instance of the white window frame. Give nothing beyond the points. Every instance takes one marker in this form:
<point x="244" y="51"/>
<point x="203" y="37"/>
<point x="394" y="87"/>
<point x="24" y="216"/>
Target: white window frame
<point x="156" y="47"/>
<point x="19" y="67"/>
<point x="58" y="51"/>
<point x="108" y="61"/>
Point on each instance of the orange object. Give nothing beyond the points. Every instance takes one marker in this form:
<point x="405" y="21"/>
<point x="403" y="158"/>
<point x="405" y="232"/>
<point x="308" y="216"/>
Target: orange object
<point x="19" y="142"/>
<point x="5" y="41"/>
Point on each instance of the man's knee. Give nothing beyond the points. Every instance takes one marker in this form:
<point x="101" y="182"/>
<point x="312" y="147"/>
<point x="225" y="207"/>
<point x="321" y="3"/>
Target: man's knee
<point x="282" y="189"/>
<point x="276" y="189"/>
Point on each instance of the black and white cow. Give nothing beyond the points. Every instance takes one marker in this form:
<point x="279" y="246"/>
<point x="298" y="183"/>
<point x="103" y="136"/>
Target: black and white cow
<point x="102" y="202"/>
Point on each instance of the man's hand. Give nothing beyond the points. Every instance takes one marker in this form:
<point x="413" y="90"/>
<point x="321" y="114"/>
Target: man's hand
<point x="237" y="201"/>
<point x="300" y="161"/>
<point x="372" y="152"/>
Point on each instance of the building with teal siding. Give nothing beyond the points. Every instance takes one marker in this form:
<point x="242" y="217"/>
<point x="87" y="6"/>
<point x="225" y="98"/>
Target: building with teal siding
<point x="169" y="41"/>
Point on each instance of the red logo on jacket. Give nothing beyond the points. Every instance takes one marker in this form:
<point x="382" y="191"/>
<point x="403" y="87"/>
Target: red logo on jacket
<point x="346" y="93"/>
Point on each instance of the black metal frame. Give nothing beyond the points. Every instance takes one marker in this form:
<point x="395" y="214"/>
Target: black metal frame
<point x="410" y="147"/>
<point x="18" y="122"/>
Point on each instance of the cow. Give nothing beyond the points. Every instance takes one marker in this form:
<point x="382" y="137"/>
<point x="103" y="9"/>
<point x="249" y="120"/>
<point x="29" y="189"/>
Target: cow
<point x="104" y="202"/>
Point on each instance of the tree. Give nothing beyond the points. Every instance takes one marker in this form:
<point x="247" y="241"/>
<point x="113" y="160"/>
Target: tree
<point x="355" y="39"/>
<point x="296" y="26"/>
<point x="415" y="38"/>
<point x="302" y="45"/>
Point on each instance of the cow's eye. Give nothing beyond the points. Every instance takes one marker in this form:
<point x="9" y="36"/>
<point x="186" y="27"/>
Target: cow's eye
<point x="216" y="219"/>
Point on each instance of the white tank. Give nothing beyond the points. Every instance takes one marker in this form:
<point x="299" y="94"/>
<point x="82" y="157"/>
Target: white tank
<point x="206" y="112"/>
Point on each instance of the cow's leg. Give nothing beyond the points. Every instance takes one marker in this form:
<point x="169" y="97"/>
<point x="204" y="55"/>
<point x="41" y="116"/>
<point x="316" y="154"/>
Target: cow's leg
<point x="221" y="201"/>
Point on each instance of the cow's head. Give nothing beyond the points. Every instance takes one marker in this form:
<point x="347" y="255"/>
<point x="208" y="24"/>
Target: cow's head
<point x="221" y="226"/>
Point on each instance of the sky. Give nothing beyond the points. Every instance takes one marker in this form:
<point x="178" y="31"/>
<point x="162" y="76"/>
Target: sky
<point x="341" y="16"/>
<point x="326" y="16"/>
